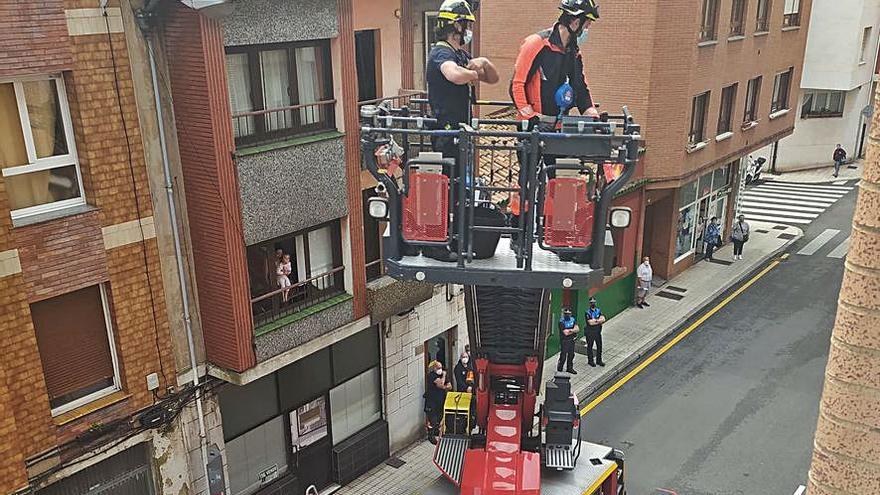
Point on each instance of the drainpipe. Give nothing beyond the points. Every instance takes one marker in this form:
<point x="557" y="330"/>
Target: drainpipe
<point x="178" y="251"/>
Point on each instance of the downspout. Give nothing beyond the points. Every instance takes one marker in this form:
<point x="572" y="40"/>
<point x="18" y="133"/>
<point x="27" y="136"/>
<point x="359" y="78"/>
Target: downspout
<point x="144" y="18"/>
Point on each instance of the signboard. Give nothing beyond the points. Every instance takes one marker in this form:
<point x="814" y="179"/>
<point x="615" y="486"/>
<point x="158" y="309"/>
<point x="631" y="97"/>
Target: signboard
<point x="269" y="474"/>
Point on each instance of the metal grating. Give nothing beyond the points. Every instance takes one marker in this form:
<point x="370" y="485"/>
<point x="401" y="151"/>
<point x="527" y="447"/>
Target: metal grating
<point x="670" y="295"/>
<point x="449" y="455"/>
<point x="676" y="289"/>
<point x="559" y="457"/>
<point x="787" y="237"/>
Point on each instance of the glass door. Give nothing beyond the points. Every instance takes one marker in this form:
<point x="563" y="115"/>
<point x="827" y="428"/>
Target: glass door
<point x="312" y="456"/>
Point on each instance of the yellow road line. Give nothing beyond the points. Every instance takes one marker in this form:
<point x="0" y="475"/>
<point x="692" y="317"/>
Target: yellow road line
<point x="684" y="333"/>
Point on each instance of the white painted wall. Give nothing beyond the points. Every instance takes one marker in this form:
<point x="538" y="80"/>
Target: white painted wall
<point x="404" y="361"/>
<point x="814" y="140"/>
<point x="831" y="60"/>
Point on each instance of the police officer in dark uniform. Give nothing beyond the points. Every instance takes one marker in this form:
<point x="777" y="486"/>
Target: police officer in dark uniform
<point x="568" y="330"/>
<point x="593" y="332"/>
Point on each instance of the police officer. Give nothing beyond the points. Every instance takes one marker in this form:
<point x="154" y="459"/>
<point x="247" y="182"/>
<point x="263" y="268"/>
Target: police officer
<point x="568" y="330"/>
<point x="593" y="332"/>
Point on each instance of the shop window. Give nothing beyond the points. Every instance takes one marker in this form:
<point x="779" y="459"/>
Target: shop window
<point x="687" y="226"/>
<point x="823" y="104"/>
<point x="781" y="88"/>
<point x="355" y="404"/>
<point x="257" y="457"/>
<point x="308" y="423"/>
<point x="280" y="90"/>
<point x="293" y="272"/>
<point x="75" y="340"/>
<point x="37" y="152"/>
<point x="721" y="176"/>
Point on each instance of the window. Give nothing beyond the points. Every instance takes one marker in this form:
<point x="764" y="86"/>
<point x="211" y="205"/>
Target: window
<point x="737" y="17"/>
<point x="279" y="90"/>
<point x="791" y="14"/>
<point x="753" y="93"/>
<point x="698" y="118"/>
<point x="75" y="340"/>
<point x="37" y="150"/>
<point x="762" y="24"/>
<point x="257" y="457"/>
<point x="866" y="40"/>
<point x="781" y="88"/>
<point x="366" y="51"/>
<point x="819" y="104"/>
<point x="314" y="273"/>
<point x="710" y="20"/>
<point x="355" y="404"/>
<point x="728" y="99"/>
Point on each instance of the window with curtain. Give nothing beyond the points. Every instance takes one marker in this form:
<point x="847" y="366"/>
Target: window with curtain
<point x="280" y="90"/>
<point x="737" y="17"/>
<point x="708" y="30"/>
<point x="762" y="21"/>
<point x="728" y="99"/>
<point x="791" y="13"/>
<point x="781" y="88"/>
<point x="753" y="93"/>
<point x="37" y="151"/>
<point x="823" y="104"/>
<point x="75" y="341"/>
<point x="699" y="109"/>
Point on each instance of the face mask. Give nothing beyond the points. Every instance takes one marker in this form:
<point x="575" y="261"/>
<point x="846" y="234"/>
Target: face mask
<point x="464" y="360"/>
<point x="592" y="305"/>
<point x="439" y="372"/>
<point x="582" y="38"/>
<point x="467" y="36"/>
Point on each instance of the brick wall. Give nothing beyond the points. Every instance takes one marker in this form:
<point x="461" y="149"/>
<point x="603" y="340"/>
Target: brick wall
<point x="33" y="37"/>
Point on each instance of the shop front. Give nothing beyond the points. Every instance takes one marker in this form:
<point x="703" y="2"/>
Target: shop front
<point x="317" y="421"/>
<point x="699" y="201"/>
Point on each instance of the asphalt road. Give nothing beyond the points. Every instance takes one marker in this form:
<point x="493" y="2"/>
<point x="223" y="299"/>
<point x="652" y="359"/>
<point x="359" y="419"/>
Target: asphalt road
<point x="732" y="408"/>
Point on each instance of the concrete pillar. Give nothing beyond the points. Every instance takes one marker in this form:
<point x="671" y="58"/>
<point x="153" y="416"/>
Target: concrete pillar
<point x="846" y="455"/>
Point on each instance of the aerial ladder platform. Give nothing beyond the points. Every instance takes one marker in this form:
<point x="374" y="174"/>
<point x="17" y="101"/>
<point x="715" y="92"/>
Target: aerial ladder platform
<point x="444" y="226"/>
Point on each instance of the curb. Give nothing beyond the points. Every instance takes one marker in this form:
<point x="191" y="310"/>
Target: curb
<point x="617" y="370"/>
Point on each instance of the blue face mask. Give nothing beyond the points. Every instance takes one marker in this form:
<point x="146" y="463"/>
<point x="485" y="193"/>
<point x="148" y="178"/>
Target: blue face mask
<point x="582" y="38"/>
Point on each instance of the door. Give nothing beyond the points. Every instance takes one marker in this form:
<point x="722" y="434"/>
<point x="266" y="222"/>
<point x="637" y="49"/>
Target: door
<point x="367" y="71"/>
<point x="702" y="221"/>
<point x="311" y="445"/>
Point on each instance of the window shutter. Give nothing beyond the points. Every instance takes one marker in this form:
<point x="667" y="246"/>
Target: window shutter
<point x="74" y="349"/>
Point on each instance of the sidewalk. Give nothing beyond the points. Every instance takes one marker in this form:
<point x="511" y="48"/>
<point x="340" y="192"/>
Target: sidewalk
<point x="815" y="175"/>
<point x="627" y="337"/>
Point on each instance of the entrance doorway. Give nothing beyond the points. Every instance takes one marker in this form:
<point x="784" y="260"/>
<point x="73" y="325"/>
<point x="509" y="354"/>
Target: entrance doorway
<point x="310" y="444"/>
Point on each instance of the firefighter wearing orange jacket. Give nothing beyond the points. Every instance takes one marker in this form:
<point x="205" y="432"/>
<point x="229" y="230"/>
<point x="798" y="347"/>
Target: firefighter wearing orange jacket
<point x="549" y="59"/>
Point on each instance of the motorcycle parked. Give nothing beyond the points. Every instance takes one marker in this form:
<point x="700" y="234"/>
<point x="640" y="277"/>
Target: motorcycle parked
<point x="754" y="169"/>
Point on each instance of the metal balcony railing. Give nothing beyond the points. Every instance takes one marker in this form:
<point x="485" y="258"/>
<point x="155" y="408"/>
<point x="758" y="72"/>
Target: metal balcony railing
<point x="274" y="124"/>
<point x="282" y="302"/>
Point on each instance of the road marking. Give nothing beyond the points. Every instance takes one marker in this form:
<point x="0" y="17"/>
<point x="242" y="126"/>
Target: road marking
<point x="841" y="250"/>
<point x="772" y="219"/>
<point x="821" y="189"/>
<point x="765" y="199"/>
<point x="803" y="185"/>
<point x="839" y="182"/>
<point x="797" y="214"/>
<point x="747" y="202"/>
<point x="800" y="490"/>
<point x="799" y="192"/>
<point x="678" y="338"/>
<point x="818" y="242"/>
<point x="793" y="196"/>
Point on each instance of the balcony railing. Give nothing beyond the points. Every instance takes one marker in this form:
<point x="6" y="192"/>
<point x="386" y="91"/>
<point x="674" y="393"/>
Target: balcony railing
<point x="274" y="124"/>
<point x="762" y="25"/>
<point x="273" y="306"/>
<point x="375" y="269"/>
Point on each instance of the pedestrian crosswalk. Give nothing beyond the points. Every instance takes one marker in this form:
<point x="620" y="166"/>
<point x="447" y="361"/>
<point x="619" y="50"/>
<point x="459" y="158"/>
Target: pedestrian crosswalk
<point x="790" y="203"/>
<point x="821" y="241"/>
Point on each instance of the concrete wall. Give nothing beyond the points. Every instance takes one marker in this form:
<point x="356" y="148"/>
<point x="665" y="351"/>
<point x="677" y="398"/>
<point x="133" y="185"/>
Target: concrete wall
<point x="404" y="361"/>
<point x="289" y="189"/>
<point x="275" y="21"/>
<point x="379" y="14"/>
<point x="298" y="333"/>
<point x="814" y="139"/>
<point x="834" y="44"/>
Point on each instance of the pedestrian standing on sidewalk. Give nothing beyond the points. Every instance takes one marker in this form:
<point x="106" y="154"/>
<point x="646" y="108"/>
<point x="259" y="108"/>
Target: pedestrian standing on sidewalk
<point x="593" y="332"/>
<point x="568" y="330"/>
<point x="435" y="396"/>
<point x="712" y="238"/>
<point x="464" y="374"/>
<point x="839" y="156"/>
<point x="739" y="235"/>
<point x="645" y="275"/>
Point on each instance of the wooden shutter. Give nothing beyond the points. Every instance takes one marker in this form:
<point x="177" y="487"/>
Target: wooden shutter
<point x="72" y="339"/>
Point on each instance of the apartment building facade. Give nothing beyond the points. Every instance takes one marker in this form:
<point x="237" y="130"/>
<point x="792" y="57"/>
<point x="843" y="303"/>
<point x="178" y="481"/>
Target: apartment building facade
<point x="835" y="104"/>
<point x="710" y="81"/>
<point x="324" y="358"/>
<point x="89" y="369"/>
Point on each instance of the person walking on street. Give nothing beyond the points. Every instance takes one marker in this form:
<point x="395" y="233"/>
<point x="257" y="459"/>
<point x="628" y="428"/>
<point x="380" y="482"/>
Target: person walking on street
<point x="568" y="330"/>
<point x="464" y="374"/>
<point x="593" y="332"/>
<point x="839" y="156"/>
<point x="645" y="275"/>
<point x="712" y="238"/>
<point x="739" y="236"/>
